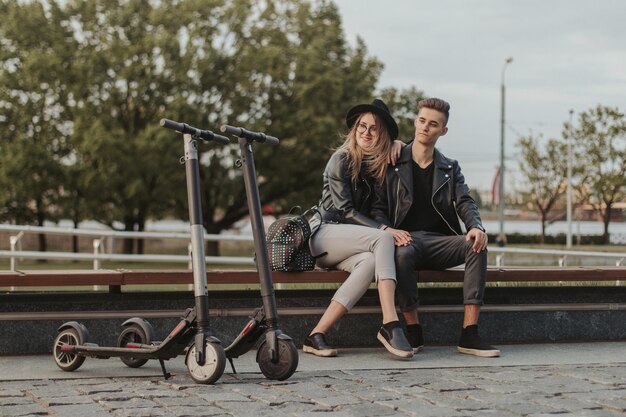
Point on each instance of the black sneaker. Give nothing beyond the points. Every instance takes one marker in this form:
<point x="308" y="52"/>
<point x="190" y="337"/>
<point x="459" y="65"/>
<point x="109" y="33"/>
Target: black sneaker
<point x="394" y="341"/>
<point x="316" y="344"/>
<point x="415" y="337"/>
<point x="472" y="344"/>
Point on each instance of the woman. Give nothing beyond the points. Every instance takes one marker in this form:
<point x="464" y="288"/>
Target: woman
<point x="352" y="241"/>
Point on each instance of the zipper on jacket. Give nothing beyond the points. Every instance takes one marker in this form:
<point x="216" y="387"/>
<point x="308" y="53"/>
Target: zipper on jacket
<point x="397" y="200"/>
<point x="432" y="201"/>
<point x="369" y="190"/>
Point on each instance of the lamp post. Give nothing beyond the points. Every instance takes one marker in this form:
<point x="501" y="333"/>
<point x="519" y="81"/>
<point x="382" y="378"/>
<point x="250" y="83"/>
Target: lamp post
<point x="568" y="240"/>
<point x="501" y="236"/>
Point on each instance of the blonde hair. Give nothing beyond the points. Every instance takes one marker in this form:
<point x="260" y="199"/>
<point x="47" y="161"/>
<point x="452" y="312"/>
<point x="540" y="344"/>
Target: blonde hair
<point x="376" y="161"/>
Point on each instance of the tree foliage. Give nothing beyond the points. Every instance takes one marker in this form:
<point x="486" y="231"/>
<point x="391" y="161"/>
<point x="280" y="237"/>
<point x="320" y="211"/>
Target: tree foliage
<point x="598" y="164"/>
<point x="85" y="82"/>
<point x="404" y="105"/>
<point x="33" y="115"/>
<point x="545" y="172"/>
<point x="600" y="138"/>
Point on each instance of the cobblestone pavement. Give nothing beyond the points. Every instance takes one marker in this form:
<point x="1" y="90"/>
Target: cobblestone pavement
<point x="525" y="390"/>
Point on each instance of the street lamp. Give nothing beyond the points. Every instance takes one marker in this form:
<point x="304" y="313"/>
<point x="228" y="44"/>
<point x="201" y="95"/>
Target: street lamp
<point x="501" y="237"/>
<point x="568" y="240"/>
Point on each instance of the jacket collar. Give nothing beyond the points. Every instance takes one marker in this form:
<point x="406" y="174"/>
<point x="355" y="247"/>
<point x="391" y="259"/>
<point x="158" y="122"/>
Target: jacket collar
<point x="443" y="171"/>
<point x="441" y="161"/>
<point x="406" y="154"/>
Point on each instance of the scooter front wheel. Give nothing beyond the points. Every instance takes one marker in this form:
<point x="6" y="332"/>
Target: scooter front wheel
<point x="67" y="360"/>
<point x="133" y="334"/>
<point x="287" y="360"/>
<point x="214" y="363"/>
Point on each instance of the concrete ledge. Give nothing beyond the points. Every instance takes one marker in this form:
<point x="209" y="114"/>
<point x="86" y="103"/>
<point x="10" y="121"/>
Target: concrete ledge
<point x="29" y="322"/>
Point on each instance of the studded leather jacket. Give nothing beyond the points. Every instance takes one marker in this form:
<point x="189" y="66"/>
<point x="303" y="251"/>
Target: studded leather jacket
<point x="450" y="196"/>
<point x="344" y="201"/>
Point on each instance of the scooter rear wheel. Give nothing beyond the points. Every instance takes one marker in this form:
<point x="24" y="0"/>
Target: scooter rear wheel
<point x="67" y="361"/>
<point x="133" y="334"/>
<point x="213" y="367"/>
<point x="287" y="360"/>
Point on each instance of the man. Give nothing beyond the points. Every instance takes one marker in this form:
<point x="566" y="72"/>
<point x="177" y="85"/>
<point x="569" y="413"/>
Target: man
<point x="420" y="203"/>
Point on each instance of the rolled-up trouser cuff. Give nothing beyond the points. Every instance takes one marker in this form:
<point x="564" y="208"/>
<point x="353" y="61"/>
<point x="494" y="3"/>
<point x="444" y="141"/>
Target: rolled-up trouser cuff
<point x="386" y="274"/>
<point x="474" y="301"/>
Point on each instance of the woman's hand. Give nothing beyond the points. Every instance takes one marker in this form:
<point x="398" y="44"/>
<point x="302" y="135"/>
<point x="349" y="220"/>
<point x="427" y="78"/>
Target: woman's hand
<point x="394" y="154"/>
<point x="400" y="237"/>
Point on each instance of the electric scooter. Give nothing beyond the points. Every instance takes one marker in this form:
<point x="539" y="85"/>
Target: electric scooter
<point x="205" y="358"/>
<point x="277" y="354"/>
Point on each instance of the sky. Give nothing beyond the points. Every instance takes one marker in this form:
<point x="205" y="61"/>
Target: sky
<point x="567" y="55"/>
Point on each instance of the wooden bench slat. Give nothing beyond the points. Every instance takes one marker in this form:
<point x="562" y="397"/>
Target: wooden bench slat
<point x="43" y="278"/>
<point x="156" y="277"/>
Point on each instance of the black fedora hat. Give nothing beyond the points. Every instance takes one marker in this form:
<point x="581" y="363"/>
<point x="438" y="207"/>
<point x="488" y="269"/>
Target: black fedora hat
<point x="379" y="108"/>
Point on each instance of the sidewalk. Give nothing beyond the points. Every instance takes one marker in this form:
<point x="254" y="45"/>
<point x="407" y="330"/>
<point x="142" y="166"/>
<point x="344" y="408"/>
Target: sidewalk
<point x="528" y="380"/>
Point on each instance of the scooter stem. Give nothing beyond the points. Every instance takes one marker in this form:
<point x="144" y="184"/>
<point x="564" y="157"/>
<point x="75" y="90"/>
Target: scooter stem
<point x="258" y="233"/>
<point x="200" y="289"/>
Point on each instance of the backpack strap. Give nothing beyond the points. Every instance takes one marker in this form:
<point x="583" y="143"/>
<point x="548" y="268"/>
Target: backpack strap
<point x="314" y="212"/>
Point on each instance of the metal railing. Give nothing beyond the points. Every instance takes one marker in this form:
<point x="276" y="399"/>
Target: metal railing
<point x="100" y="254"/>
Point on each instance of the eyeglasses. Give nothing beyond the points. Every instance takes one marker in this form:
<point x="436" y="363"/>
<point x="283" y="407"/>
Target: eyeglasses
<point x="362" y="128"/>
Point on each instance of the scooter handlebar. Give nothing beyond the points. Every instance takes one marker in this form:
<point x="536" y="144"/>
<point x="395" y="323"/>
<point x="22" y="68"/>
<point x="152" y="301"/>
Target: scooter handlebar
<point x="246" y="134"/>
<point x="184" y="128"/>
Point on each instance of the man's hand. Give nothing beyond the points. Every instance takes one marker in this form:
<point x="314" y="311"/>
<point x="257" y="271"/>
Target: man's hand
<point x="394" y="154"/>
<point x="400" y="237"/>
<point x="480" y="239"/>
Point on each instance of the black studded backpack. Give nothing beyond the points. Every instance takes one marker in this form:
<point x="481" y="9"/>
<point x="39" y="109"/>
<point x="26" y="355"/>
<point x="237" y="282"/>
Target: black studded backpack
<point x="288" y="242"/>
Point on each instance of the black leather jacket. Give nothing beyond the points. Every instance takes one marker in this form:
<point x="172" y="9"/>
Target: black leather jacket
<point x="450" y="195"/>
<point x="342" y="200"/>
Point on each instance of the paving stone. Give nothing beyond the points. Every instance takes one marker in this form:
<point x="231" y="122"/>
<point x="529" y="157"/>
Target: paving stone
<point x="368" y="410"/>
<point x="54" y="401"/>
<point x="54" y="390"/>
<point x="7" y="401"/>
<point x="97" y="389"/>
<point x="158" y="393"/>
<point x="114" y="396"/>
<point x="528" y="408"/>
<point x="335" y="400"/>
<point x="453" y="399"/>
<point x="221" y="397"/>
<point x="294" y="407"/>
<point x="10" y="393"/>
<point x="322" y="413"/>
<point x="405" y="389"/>
<point x="253" y="409"/>
<point x="80" y="410"/>
<point x="617" y="404"/>
<point x="129" y="403"/>
<point x="205" y="411"/>
<point x="141" y="412"/>
<point x="564" y="390"/>
<point x="191" y="401"/>
<point x="418" y="407"/>
<point x="373" y="394"/>
<point x="22" y="410"/>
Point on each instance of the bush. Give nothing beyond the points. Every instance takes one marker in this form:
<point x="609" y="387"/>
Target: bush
<point x="558" y="239"/>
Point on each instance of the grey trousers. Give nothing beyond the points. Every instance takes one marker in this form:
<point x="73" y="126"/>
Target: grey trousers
<point x="365" y="252"/>
<point x="437" y="252"/>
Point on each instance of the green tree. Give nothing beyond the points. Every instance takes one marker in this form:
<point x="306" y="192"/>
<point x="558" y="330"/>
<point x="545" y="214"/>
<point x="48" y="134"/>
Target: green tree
<point x="113" y="68"/>
<point x="404" y="105"/>
<point x="545" y="172"/>
<point x="600" y="138"/>
<point x="33" y="122"/>
<point x="305" y="77"/>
